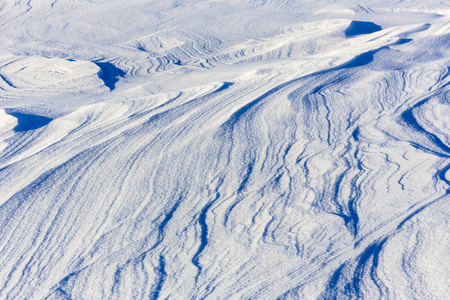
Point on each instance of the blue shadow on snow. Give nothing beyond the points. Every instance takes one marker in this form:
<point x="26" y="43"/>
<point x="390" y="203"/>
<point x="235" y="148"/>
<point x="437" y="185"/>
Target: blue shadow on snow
<point x="29" y="122"/>
<point x="109" y="73"/>
<point x="359" y="27"/>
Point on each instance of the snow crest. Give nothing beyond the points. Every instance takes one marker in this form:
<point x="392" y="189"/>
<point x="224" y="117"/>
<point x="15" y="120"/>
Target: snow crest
<point x="224" y="149"/>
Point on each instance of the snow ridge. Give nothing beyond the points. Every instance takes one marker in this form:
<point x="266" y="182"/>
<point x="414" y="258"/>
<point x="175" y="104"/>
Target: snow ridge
<point x="224" y="150"/>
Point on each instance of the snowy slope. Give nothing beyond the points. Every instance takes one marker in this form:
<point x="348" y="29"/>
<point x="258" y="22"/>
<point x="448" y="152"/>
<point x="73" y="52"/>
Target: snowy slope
<point x="211" y="149"/>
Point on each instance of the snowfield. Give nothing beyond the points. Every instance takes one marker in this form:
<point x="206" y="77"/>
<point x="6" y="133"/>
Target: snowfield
<point x="224" y="149"/>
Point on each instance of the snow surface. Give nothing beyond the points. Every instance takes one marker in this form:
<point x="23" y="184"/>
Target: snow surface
<point x="233" y="149"/>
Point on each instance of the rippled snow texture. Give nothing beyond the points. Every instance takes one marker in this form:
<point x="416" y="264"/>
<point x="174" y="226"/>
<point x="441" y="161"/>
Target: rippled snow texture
<point x="224" y="149"/>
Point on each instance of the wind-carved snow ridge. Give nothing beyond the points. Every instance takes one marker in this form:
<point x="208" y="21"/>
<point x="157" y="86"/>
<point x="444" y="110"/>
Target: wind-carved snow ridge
<point x="224" y="150"/>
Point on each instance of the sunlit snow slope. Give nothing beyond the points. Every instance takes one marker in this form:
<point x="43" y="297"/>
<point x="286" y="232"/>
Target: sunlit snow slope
<point x="224" y="149"/>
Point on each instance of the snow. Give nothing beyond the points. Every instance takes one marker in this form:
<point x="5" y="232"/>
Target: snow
<point x="288" y="149"/>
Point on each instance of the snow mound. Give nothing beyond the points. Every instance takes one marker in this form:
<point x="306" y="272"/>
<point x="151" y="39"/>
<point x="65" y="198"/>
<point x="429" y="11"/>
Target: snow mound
<point x="50" y="75"/>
